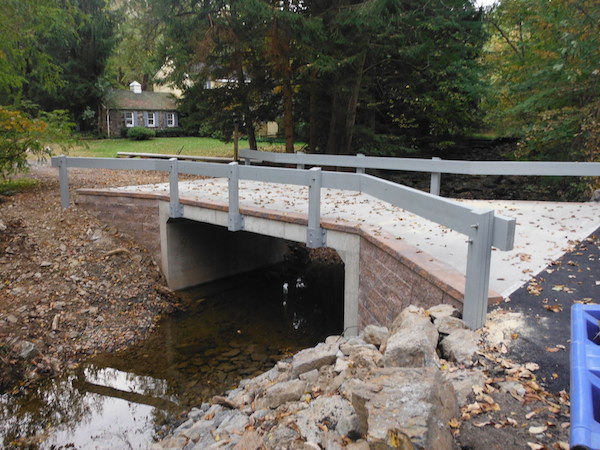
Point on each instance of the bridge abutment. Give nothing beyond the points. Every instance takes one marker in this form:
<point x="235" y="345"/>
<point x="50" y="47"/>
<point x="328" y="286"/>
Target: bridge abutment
<point x="194" y="252"/>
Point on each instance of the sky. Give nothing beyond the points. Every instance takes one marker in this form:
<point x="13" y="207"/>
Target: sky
<point x="485" y="2"/>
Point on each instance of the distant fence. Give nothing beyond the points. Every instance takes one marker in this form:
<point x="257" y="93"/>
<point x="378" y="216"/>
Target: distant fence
<point x="483" y="227"/>
<point x="435" y="166"/>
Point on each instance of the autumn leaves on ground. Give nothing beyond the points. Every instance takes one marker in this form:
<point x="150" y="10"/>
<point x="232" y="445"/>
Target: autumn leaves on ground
<point x="72" y="286"/>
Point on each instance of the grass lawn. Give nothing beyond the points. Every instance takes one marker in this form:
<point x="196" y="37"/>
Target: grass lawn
<point x="108" y="148"/>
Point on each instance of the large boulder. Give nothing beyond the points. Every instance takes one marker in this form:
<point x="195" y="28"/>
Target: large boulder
<point x="314" y="358"/>
<point x="412" y="341"/>
<point x="280" y="393"/>
<point x="406" y="408"/>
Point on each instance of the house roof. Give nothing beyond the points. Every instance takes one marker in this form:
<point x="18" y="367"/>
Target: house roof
<point x="144" y="101"/>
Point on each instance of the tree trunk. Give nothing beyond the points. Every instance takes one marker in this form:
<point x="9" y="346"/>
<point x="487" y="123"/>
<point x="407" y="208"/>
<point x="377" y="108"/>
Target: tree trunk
<point x="312" y="113"/>
<point x="248" y="119"/>
<point x="333" y="140"/>
<point x="288" y="118"/>
<point x="352" y="107"/>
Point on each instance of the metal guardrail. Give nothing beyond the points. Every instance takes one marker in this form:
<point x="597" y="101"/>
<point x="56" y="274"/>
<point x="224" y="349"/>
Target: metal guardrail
<point x="483" y="228"/>
<point x="435" y="166"/>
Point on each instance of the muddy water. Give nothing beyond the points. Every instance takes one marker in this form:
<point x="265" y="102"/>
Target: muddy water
<point x="227" y="331"/>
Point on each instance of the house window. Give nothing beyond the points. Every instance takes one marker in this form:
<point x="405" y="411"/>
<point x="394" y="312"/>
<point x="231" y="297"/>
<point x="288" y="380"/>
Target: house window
<point x="171" y="120"/>
<point x="151" y="119"/>
<point x="128" y="119"/>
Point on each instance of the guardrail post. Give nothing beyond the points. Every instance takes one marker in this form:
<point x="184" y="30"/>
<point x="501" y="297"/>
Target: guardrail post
<point x="359" y="156"/>
<point x="236" y="220"/>
<point x="477" y="279"/>
<point x="175" y="208"/>
<point x="64" y="181"/>
<point x="436" y="180"/>
<point x="300" y="165"/>
<point x="315" y="235"/>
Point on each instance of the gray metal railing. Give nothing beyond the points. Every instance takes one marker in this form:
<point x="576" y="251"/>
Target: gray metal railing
<point x="435" y="166"/>
<point x="484" y="229"/>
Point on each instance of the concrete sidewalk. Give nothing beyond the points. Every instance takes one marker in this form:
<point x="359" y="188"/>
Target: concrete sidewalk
<point x="544" y="231"/>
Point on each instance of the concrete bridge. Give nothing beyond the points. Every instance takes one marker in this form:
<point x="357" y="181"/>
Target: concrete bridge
<point x="399" y="246"/>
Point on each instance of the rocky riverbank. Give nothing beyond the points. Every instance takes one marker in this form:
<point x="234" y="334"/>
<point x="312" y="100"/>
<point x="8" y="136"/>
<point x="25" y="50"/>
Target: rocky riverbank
<point x="414" y="385"/>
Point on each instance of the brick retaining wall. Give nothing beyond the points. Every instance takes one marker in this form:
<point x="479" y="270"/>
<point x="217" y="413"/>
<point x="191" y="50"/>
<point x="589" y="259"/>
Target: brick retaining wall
<point x="390" y="281"/>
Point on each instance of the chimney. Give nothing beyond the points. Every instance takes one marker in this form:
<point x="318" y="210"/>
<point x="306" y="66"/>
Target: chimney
<point x="135" y="87"/>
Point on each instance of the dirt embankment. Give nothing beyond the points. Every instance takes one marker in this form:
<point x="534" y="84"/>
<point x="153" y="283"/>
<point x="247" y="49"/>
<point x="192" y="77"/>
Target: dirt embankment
<point x="70" y="286"/>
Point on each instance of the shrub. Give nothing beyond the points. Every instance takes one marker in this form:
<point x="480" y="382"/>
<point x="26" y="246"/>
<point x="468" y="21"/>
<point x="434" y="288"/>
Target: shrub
<point x="171" y="132"/>
<point x="22" y="136"/>
<point x="140" y="133"/>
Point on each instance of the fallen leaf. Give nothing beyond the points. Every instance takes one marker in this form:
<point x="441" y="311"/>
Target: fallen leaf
<point x="538" y="429"/>
<point x="552" y="349"/>
<point x="481" y="424"/>
<point x="560" y="445"/>
<point x="534" y="446"/>
<point x="554" y="308"/>
<point x="454" y="423"/>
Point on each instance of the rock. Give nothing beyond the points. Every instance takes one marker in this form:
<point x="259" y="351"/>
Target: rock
<point x="406" y="406"/>
<point x="366" y="357"/>
<point x="234" y="423"/>
<point x="461" y="346"/>
<point x="281" y="437"/>
<point x="411" y="347"/>
<point x="280" y="393"/>
<point x="26" y="350"/>
<point x="512" y="387"/>
<point x="463" y="381"/>
<point x="595" y="196"/>
<point x="310" y="377"/>
<point x="12" y="319"/>
<point x="353" y="343"/>
<point x="448" y="324"/>
<point x="330" y="413"/>
<point x="341" y="364"/>
<point x="313" y="358"/>
<point x="250" y="440"/>
<point x="372" y="334"/>
<point x="358" y="445"/>
<point x="439" y="311"/>
<point x="413" y="319"/>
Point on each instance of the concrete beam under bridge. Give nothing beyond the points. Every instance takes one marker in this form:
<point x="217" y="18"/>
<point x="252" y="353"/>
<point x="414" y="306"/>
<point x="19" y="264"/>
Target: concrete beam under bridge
<point x="198" y="248"/>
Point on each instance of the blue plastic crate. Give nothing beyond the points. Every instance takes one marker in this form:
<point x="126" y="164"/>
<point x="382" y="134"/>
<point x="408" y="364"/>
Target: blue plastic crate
<point x="585" y="376"/>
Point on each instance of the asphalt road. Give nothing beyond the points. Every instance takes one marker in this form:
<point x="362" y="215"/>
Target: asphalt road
<point x="546" y="305"/>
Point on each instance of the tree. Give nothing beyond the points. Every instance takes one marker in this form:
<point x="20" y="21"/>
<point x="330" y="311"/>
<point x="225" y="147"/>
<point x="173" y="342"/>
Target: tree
<point x="54" y="53"/>
<point x="24" y="26"/>
<point x="379" y="67"/>
<point x="546" y="81"/>
<point x="21" y="135"/>
<point x="139" y="35"/>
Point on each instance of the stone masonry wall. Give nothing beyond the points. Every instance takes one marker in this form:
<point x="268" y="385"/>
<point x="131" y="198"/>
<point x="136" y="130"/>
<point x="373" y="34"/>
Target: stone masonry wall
<point x="137" y="217"/>
<point x="388" y="285"/>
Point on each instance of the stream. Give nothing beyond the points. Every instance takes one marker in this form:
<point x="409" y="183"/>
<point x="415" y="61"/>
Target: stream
<point x="226" y="331"/>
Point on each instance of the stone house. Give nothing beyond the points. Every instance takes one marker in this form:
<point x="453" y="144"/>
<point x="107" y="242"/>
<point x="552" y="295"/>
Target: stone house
<point x="125" y="109"/>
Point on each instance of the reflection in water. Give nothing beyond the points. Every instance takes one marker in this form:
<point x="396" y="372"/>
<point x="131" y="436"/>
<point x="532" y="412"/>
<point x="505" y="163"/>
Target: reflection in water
<point x="228" y="330"/>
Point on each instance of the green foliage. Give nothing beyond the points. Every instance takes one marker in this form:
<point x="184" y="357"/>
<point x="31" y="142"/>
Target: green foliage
<point x="53" y="53"/>
<point x="10" y="187"/>
<point x="22" y="136"/>
<point x="328" y="68"/>
<point x="546" y="82"/>
<point x="171" y="132"/>
<point x="140" y="133"/>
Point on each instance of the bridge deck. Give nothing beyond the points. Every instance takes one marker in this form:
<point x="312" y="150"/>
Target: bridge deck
<point x="544" y="230"/>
